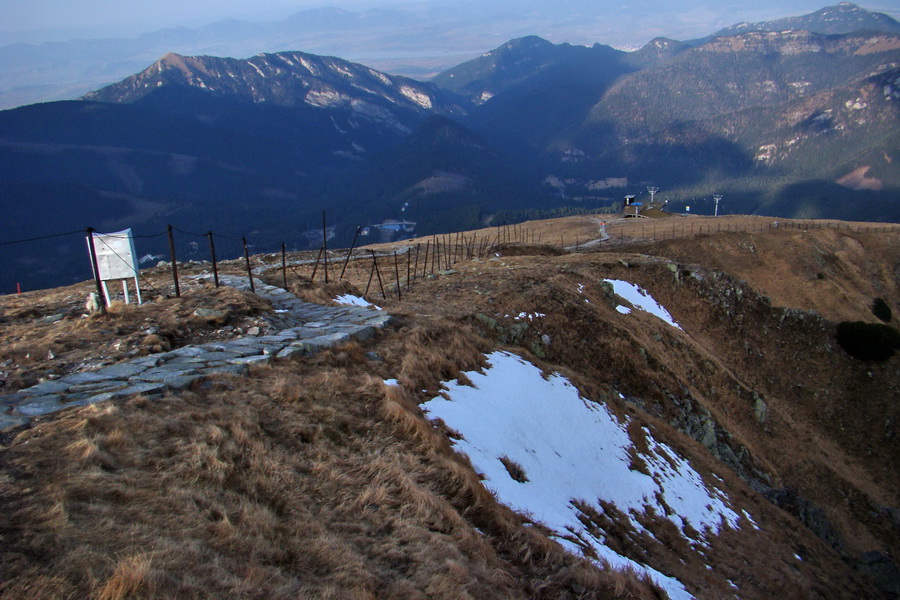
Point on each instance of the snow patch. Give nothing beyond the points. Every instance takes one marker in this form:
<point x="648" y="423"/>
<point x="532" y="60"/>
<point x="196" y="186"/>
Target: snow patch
<point x="570" y="450"/>
<point x="416" y="96"/>
<point x="326" y="97"/>
<point x="308" y="65"/>
<point x="381" y="77"/>
<point x="524" y="316"/>
<point x="640" y="299"/>
<point x="258" y="70"/>
<point x="351" y="300"/>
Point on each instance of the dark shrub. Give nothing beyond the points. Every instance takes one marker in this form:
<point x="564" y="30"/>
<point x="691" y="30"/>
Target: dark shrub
<point x="868" y="341"/>
<point x="881" y="310"/>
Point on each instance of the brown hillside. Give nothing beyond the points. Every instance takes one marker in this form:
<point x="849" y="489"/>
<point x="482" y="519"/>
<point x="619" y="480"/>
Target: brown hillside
<point x="313" y="479"/>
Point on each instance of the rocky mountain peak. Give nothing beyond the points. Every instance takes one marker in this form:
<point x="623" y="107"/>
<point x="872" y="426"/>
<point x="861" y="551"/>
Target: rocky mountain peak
<point x="844" y="17"/>
<point x="285" y="79"/>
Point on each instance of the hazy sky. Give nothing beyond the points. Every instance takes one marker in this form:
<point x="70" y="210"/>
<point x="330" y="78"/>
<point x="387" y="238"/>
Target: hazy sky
<point x="42" y="20"/>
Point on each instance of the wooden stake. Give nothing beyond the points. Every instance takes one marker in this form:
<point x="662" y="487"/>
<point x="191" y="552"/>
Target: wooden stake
<point x="174" y="261"/>
<point x="93" y="252"/>
<point x="247" y="260"/>
<point x="316" y="267"/>
<point x="397" y="275"/>
<point x="378" y="273"/>
<point x="352" y="246"/>
<point x="325" y="245"/>
<point x="212" y="255"/>
<point x="284" y="265"/>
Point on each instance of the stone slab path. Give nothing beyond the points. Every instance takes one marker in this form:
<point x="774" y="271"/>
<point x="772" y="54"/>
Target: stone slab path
<point x="304" y="328"/>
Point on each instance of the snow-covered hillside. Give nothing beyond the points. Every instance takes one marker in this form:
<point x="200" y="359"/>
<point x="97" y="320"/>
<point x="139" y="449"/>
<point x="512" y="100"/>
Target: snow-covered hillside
<point x="543" y="448"/>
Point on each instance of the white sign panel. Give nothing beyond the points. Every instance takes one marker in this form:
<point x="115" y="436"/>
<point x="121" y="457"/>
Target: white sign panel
<point x="116" y="257"/>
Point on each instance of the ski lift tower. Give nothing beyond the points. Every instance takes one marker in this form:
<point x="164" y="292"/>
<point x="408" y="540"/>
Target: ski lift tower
<point x="652" y="189"/>
<point x="717" y="197"/>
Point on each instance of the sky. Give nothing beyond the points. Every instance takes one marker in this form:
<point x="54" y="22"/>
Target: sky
<point x="50" y="20"/>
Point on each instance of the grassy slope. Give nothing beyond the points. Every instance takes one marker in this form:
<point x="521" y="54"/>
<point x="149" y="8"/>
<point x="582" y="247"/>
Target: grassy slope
<point x="314" y="479"/>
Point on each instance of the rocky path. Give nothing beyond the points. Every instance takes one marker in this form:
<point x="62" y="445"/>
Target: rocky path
<point x="305" y="328"/>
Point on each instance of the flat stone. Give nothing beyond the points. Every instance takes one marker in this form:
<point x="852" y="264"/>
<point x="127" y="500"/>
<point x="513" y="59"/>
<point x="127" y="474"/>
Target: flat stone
<point x="271" y="339"/>
<point x="120" y="371"/>
<point x="180" y="382"/>
<point x="381" y="321"/>
<point x="363" y="333"/>
<point x="138" y="388"/>
<point x="15" y="399"/>
<point x="236" y="370"/>
<point x="9" y="422"/>
<point x="186" y="361"/>
<point x="52" y="318"/>
<point x="187" y="351"/>
<point x="163" y="373"/>
<point x="46" y="387"/>
<point x="100" y="386"/>
<point x="217" y="356"/>
<point x="40" y="406"/>
<point x="80" y="378"/>
<point x="315" y="344"/>
<point x="209" y="313"/>
<point x="293" y="350"/>
<point x="147" y="361"/>
<point x="251" y="360"/>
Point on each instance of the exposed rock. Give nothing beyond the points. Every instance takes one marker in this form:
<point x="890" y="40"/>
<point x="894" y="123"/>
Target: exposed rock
<point x="812" y="517"/>
<point x="210" y="314"/>
<point x="882" y="570"/>
<point x="92" y="304"/>
<point x="760" y="409"/>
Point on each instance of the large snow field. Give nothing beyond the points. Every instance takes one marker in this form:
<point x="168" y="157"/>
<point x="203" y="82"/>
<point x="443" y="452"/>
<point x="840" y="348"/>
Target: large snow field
<point x="571" y="449"/>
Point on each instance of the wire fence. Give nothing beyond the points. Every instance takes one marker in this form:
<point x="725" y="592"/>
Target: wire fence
<point x="395" y="268"/>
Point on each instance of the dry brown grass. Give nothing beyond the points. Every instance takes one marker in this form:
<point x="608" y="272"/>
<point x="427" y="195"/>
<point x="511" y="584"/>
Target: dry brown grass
<point x="307" y="480"/>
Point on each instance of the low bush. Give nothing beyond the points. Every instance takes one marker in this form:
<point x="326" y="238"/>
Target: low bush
<point x="868" y="341"/>
<point x="881" y="310"/>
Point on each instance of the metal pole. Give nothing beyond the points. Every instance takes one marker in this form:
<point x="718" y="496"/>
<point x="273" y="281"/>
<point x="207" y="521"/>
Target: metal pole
<point x="352" y="246"/>
<point x="247" y="260"/>
<point x="212" y="254"/>
<point x="174" y="262"/>
<point x="93" y="253"/>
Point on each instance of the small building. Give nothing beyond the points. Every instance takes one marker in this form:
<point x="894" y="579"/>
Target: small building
<point x="396" y="226"/>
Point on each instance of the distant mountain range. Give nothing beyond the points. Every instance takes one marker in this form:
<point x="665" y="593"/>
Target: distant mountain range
<point x="786" y="122"/>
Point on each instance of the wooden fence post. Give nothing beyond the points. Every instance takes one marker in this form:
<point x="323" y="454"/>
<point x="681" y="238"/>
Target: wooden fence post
<point x="93" y="252"/>
<point x="352" y="246"/>
<point x="247" y="260"/>
<point x="284" y="264"/>
<point x="397" y="275"/>
<point x="212" y="254"/>
<point x="174" y="261"/>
